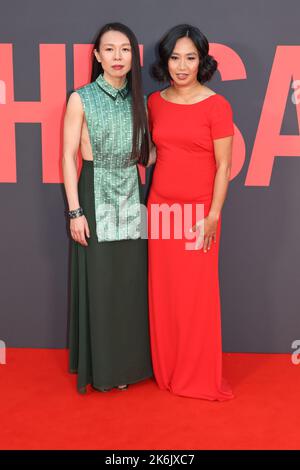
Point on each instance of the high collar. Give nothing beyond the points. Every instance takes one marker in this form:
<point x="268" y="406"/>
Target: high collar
<point x="111" y="90"/>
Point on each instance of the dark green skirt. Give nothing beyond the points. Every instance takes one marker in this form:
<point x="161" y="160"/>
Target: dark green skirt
<point x="109" y="329"/>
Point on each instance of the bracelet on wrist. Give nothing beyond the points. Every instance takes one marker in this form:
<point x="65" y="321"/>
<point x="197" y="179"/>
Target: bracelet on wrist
<point x="75" y="213"/>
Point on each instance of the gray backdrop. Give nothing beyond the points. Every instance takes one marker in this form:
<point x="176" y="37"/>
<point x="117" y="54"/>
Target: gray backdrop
<point x="259" y="253"/>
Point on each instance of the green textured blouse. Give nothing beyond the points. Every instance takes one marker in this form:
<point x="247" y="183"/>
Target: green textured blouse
<point x="116" y="187"/>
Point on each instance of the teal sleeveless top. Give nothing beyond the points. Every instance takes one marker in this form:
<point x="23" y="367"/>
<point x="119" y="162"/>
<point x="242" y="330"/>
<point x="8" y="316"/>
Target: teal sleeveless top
<point x="116" y="186"/>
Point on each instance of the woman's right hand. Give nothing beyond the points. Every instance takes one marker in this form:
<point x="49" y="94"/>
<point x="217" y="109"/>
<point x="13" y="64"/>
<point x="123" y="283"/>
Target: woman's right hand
<point x="79" y="230"/>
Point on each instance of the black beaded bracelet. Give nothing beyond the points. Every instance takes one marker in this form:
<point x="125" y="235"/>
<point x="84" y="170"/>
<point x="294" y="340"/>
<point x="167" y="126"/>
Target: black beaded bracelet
<point x="75" y="213"/>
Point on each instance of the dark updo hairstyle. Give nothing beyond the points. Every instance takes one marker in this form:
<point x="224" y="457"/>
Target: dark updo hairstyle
<point x="207" y="66"/>
<point x="140" y="137"/>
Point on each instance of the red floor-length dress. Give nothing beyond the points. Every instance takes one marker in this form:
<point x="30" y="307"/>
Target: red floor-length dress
<point x="184" y="301"/>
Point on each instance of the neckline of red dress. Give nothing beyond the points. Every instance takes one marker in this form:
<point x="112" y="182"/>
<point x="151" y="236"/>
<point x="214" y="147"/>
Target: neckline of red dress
<point x="186" y="104"/>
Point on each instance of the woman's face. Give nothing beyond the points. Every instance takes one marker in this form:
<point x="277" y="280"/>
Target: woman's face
<point x="114" y="53"/>
<point x="184" y="62"/>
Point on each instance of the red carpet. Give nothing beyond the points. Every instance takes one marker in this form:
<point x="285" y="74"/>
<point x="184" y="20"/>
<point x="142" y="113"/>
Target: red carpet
<point x="41" y="409"/>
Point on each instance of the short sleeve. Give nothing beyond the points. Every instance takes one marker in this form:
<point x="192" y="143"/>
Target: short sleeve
<point x="221" y="119"/>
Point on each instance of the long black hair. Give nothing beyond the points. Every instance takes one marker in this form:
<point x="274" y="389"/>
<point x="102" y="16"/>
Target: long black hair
<point x="207" y="66"/>
<point x="140" y="137"/>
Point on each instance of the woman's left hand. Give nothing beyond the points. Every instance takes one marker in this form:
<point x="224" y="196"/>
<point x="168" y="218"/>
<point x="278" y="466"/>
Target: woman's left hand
<point x="208" y="232"/>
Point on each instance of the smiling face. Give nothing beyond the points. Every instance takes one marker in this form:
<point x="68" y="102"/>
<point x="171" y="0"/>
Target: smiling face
<point x="184" y="62"/>
<point x="114" y="54"/>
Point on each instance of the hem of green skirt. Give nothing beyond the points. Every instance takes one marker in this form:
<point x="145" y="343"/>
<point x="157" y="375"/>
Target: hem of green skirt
<point x="83" y="390"/>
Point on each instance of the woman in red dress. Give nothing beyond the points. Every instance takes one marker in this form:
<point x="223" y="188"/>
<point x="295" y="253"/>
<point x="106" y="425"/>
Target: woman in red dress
<point x="192" y="129"/>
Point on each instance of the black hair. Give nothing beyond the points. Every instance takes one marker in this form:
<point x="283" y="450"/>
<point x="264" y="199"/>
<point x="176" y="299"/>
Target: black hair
<point x="207" y="66"/>
<point x="140" y="137"/>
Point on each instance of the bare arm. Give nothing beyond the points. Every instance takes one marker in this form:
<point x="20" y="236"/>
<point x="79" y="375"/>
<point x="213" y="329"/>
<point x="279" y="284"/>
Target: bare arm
<point x="72" y="134"/>
<point x="72" y="131"/>
<point x="152" y="154"/>
<point x="223" y="155"/>
<point x="152" y="148"/>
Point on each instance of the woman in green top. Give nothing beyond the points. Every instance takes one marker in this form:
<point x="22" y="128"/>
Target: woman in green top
<point x="108" y="330"/>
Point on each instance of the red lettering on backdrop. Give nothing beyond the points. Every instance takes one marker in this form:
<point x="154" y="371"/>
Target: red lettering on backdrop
<point x="268" y="142"/>
<point x="48" y="111"/>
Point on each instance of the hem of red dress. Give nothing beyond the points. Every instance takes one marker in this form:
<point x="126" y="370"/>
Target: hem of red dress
<point x="198" y="396"/>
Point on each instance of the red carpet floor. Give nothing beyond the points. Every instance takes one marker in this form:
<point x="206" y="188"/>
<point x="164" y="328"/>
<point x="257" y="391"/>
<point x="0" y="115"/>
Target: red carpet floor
<point x="41" y="409"/>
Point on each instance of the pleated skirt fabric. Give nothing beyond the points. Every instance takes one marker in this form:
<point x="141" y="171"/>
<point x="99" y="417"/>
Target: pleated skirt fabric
<point x="108" y="332"/>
